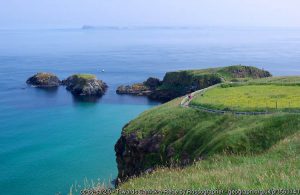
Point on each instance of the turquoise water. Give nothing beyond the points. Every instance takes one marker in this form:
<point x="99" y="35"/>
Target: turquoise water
<point x="49" y="139"/>
<point x="47" y="149"/>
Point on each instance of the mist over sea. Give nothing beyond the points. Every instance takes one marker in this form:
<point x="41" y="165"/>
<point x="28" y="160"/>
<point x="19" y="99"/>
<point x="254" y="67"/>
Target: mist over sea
<point x="49" y="140"/>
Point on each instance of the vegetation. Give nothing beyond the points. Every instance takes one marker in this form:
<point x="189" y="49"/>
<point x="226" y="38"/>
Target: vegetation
<point x="283" y="80"/>
<point x="237" y="152"/>
<point x="276" y="168"/>
<point x="201" y="134"/>
<point x="198" y="79"/>
<point x="251" y="97"/>
<point x="85" y="76"/>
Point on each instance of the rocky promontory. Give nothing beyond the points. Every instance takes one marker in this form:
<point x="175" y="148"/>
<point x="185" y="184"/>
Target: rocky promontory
<point x="140" y="89"/>
<point x="85" y="85"/>
<point x="44" y="80"/>
<point x="179" y="83"/>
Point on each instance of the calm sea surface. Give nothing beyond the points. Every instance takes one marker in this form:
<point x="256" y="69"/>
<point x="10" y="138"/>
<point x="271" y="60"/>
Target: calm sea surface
<point x="49" y="140"/>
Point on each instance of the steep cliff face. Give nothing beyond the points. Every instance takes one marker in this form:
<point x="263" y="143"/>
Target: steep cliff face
<point x="178" y="83"/>
<point x="136" y="155"/>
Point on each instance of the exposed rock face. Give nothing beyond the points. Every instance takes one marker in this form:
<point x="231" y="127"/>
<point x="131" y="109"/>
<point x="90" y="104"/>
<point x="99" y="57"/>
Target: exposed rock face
<point x="85" y="85"/>
<point x="137" y="89"/>
<point x="44" y="80"/>
<point x="176" y="84"/>
<point x="152" y="83"/>
<point x="131" y="154"/>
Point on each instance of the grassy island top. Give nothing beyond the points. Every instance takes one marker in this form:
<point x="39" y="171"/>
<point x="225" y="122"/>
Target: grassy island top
<point x="236" y="72"/>
<point x="44" y="75"/>
<point x="250" y="98"/>
<point x="85" y="76"/>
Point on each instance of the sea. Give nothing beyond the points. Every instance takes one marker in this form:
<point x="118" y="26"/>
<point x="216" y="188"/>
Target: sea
<point x="51" y="141"/>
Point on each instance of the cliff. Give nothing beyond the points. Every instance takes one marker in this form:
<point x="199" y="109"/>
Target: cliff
<point x="170" y="135"/>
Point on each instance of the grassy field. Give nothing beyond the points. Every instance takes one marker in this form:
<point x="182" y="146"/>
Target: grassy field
<point x="280" y="80"/>
<point x="277" y="168"/>
<point x="251" y="98"/>
<point x="85" y="76"/>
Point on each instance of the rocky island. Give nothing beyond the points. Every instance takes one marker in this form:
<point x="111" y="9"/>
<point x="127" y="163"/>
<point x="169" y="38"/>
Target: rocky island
<point x="141" y="89"/>
<point x="179" y="83"/>
<point x="85" y="85"/>
<point x="44" y="80"/>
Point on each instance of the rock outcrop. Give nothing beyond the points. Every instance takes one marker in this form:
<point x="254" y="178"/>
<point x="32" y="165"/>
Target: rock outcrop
<point x="44" y="80"/>
<point x="131" y="158"/>
<point x="85" y="85"/>
<point x="140" y="89"/>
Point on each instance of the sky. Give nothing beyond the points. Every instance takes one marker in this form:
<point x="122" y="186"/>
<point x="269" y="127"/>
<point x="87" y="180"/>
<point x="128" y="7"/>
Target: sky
<point x="75" y="13"/>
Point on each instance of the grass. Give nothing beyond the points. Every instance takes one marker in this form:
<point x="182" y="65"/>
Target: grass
<point x="281" y="80"/>
<point x="85" y="76"/>
<point x="277" y="168"/>
<point x="235" y="72"/>
<point x="239" y="152"/>
<point x="251" y="98"/>
<point x="184" y="81"/>
<point x="44" y="75"/>
<point x="201" y="134"/>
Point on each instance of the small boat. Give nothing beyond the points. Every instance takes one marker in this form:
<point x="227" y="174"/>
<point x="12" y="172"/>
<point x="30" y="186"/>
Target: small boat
<point x="102" y="70"/>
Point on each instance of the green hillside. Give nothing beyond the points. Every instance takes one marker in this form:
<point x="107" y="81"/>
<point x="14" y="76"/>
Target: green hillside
<point x="252" y="151"/>
<point x="251" y="97"/>
<point x="277" y="168"/>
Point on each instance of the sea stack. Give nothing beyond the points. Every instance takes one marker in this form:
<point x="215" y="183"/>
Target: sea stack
<point x="44" y="80"/>
<point x="85" y="85"/>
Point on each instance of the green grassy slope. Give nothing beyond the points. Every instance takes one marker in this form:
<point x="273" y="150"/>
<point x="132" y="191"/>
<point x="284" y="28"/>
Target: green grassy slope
<point x="278" y="167"/>
<point x="259" y="151"/>
<point x="201" y="134"/>
<point x="85" y="76"/>
<point x="286" y="80"/>
<point x="251" y="97"/>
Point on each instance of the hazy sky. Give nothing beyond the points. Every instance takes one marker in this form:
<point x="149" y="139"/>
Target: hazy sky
<point x="74" y="13"/>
